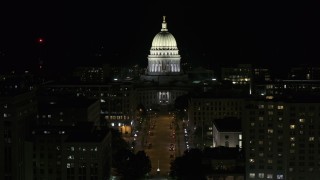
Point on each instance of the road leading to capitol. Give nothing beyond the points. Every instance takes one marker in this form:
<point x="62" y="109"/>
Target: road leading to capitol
<point x="160" y="138"/>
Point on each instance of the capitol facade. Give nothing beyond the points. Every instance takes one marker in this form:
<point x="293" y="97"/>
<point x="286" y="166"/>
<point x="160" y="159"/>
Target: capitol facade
<point x="164" y="79"/>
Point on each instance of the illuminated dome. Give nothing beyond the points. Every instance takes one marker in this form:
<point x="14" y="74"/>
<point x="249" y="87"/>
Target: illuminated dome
<point x="164" y="40"/>
<point x="164" y="58"/>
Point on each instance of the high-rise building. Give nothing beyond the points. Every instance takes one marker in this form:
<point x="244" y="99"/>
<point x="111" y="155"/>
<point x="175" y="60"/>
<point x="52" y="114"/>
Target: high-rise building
<point x="71" y="152"/>
<point x="118" y="101"/>
<point x="17" y="109"/>
<point x="281" y="139"/>
<point x="66" y="142"/>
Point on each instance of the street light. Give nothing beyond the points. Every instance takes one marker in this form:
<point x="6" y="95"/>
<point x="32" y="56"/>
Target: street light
<point x="158" y="170"/>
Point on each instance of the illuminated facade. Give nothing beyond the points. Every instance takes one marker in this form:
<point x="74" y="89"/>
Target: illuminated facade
<point x="164" y="55"/>
<point x="164" y="80"/>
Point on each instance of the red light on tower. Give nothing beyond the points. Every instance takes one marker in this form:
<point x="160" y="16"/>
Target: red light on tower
<point x="40" y="40"/>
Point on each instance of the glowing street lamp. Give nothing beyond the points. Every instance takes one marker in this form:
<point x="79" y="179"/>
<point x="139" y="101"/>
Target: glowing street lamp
<point x="158" y="170"/>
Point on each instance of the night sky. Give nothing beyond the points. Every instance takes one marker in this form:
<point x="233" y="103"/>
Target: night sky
<point x="208" y="34"/>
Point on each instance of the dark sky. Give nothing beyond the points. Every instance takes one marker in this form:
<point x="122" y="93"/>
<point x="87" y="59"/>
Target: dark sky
<point x="207" y="33"/>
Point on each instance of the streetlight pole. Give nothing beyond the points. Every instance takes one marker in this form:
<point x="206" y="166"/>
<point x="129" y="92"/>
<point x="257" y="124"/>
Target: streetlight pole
<point x="158" y="170"/>
<point x="202" y="133"/>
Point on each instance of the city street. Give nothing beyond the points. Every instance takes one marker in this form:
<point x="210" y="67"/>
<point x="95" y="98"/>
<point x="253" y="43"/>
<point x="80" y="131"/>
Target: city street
<point x="158" y="146"/>
<point x="162" y="141"/>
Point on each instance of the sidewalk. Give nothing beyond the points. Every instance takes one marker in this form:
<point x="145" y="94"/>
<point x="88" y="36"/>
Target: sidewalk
<point x="140" y="139"/>
<point x="180" y="141"/>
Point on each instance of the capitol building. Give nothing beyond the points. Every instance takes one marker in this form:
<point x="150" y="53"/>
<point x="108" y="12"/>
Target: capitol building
<point x="164" y="79"/>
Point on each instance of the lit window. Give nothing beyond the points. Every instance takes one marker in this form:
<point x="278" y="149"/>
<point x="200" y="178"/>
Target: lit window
<point x="292" y="126"/>
<point x="112" y="124"/>
<point x="270" y="131"/>
<point x="68" y="165"/>
<point x="279" y="176"/>
<point x="280" y="107"/>
<point x="269" y="97"/>
<point x="311" y="138"/>
<point x="269" y="161"/>
<point x="240" y="136"/>
<point x="301" y="120"/>
<point x="269" y="176"/>
<point x="291" y="169"/>
<point x="261" y="175"/>
<point x="292" y="138"/>
<point x="270" y="106"/>
<point x="311" y="169"/>
<point x="251" y="160"/>
<point x="72" y="148"/>
<point x="252" y="175"/>
<point x="261" y="106"/>
<point x="71" y="157"/>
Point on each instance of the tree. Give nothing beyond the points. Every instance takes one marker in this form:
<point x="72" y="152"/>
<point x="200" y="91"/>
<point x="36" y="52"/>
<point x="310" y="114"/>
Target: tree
<point x="180" y="104"/>
<point x="188" y="166"/>
<point x="142" y="163"/>
<point x="117" y="142"/>
<point x="135" y="166"/>
<point x="121" y="159"/>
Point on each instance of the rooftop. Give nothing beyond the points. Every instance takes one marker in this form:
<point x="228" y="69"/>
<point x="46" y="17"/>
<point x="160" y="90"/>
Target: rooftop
<point x="229" y="124"/>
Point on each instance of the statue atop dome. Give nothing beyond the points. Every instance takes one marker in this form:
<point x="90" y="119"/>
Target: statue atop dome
<point x="164" y="24"/>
